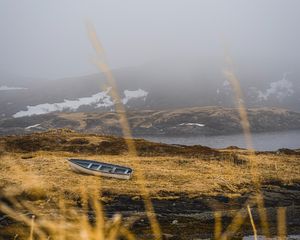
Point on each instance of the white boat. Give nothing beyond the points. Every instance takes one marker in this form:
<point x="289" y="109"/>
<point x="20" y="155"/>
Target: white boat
<point x="100" y="168"/>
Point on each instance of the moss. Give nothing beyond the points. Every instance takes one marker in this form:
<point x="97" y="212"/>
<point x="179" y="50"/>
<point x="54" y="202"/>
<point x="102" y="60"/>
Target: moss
<point x="33" y="194"/>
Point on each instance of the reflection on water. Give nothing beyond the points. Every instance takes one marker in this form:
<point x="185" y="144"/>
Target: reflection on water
<point x="261" y="141"/>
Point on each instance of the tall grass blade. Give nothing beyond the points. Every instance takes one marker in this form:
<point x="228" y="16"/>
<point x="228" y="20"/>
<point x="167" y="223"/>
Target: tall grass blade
<point x="252" y="222"/>
<point x="281" y="223"/>
<point x="101" y="63"/>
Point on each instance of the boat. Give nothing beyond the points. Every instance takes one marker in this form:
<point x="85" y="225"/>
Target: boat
<point x="100" y="168"/>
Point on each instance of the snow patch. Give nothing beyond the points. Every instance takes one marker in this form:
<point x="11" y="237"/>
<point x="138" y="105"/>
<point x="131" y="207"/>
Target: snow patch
<point x="134" y="94"/>
<point x="192" y="124"/>
<point x="32" y="126"/>
<point x="101" y="99"/>
<point x="280" y="89"/>
<point x="6" y="88"/>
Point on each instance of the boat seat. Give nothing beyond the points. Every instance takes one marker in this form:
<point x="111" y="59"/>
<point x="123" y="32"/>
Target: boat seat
<point x="89" y="165"/>
<point x="98" y="168"/>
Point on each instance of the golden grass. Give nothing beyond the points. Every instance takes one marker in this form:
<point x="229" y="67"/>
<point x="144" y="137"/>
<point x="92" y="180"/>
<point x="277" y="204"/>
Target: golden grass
<point x="48" y="188"/>
<point x="50" y="171"/>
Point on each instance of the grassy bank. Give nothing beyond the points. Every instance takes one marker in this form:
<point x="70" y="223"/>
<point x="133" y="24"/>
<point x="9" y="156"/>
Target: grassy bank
<point x="35" y="176"/>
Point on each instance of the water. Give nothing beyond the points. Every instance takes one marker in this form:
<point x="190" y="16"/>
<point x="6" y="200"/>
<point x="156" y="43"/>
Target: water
<point x="261" y="141"/>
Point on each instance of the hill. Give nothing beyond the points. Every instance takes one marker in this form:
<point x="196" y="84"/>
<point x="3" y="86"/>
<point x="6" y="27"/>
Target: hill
<point x="179" y="122"/>
<point x="170" y="85"/>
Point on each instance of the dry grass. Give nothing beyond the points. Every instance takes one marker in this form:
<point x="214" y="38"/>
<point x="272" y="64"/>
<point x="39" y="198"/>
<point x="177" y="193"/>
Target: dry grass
<point x="41" y="180"/>
<point x="193" y="176"/>
<point x="79" y="117"/>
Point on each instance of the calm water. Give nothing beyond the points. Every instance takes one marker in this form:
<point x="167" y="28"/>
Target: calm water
<point x="261" y="141"/>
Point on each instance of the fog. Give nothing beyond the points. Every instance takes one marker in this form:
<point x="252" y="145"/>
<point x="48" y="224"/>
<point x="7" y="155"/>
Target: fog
<point x="48" y="39"/>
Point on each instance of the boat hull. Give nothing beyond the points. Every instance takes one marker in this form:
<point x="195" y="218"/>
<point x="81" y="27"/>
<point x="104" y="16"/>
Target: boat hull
<point x="80" y="169"/>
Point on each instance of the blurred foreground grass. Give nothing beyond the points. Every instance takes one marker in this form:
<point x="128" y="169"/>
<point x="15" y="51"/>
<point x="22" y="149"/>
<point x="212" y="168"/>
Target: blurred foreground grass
<point x="40" y="182"/>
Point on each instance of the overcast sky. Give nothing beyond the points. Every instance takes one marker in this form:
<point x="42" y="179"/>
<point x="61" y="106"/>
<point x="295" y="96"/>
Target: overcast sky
<point x="48" y="39"/>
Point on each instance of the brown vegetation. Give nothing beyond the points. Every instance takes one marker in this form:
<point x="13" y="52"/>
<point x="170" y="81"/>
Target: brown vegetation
<point x="194" y="170"/>
<point x="34" y="170"/>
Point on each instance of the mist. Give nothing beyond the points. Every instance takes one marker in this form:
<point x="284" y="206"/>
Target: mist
<point x="48" y="39"/>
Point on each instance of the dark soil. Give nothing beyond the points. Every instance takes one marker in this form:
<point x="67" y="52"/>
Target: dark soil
<point x="185" y="217"/>
<point x="70" y="141"/>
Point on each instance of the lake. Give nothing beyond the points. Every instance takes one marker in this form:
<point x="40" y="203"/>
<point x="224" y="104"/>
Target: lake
<point x="261" y="141"/>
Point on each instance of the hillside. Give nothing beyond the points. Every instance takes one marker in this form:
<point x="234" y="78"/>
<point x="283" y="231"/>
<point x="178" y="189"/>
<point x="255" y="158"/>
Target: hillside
<point x="169" y="85"/>
<point x="178" y="122"/>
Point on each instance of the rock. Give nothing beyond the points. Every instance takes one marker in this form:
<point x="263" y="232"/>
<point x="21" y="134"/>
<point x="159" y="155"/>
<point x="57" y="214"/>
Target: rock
<point x="286" y="151"/>
<point x="174" y="222"/>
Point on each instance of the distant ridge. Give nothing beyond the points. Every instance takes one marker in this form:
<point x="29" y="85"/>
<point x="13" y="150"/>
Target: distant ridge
<point x="210" y="120"/>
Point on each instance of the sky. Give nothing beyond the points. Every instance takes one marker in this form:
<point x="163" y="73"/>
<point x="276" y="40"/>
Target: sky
<point x="48" y="38"/>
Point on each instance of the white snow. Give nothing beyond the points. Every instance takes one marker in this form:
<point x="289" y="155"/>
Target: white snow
<point x="134" y="94"/>
<point x="280" y="89"/>
<point x="101" y="99"/>
<point x="33" y="126"/>
<point x="192" y="124"/>
<point x="6" y="88"/>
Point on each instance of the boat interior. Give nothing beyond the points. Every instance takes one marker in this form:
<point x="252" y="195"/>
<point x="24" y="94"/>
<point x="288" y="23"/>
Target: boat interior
<point x="103" y="167"/>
